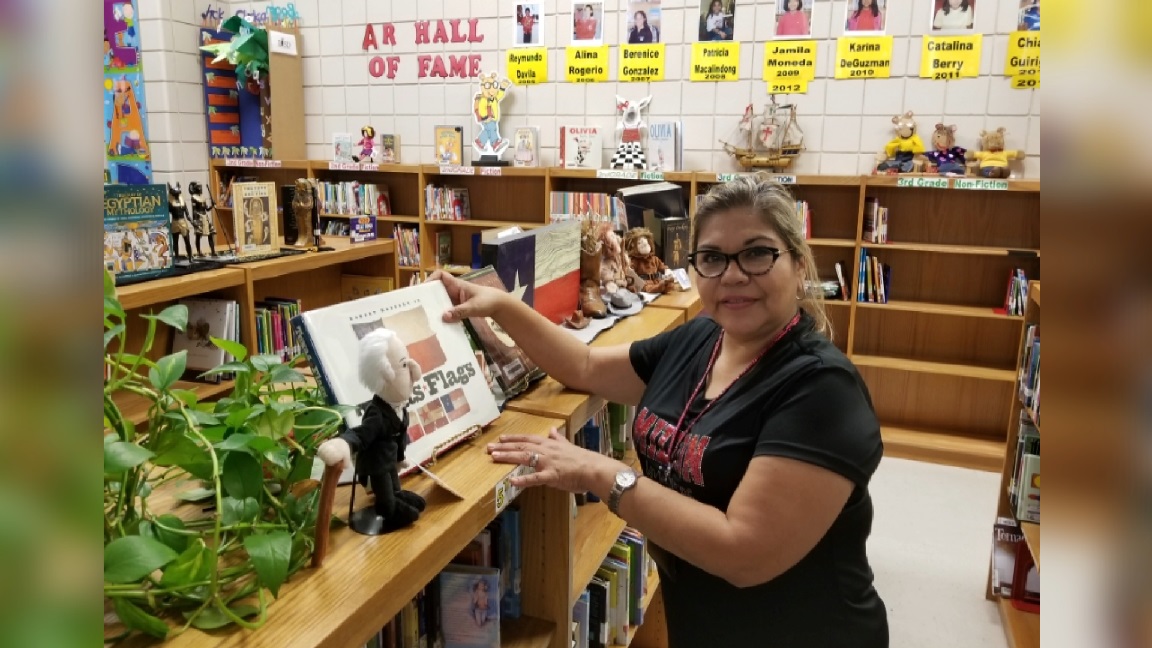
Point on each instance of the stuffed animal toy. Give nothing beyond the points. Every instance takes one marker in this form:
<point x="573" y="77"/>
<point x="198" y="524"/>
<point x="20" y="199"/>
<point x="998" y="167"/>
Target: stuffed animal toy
<point x="630" y="132"/>
<point x="641" y="249"/>
<point x="181" y="230"/>
<point x="900" y="154"/>
<point x="992" y="158"/>
<point x="306" y="211"/>
<point x="945" y="156"/>
<point x="203" y="221"/>
<point x="382" y="436"/>
<point x="613" y="270"/>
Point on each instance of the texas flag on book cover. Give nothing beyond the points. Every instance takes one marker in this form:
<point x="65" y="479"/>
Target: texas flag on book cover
<point x="541" y="266"/>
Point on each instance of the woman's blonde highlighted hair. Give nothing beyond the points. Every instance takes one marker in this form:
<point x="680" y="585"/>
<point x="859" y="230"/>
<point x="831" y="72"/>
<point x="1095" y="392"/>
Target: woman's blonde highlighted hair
<point x="772" y="202"/>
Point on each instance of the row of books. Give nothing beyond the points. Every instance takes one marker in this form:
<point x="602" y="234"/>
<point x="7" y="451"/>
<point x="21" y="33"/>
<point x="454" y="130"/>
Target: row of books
<point x="1017" y="297"/>
<point x="1029" y="371"/>
<point x="447" y="203"/>
<point x="584" y="205"/>
<point x="1024" y="485"/>
<point x="407" y="245"/>
<point x="354" y="198"/>
<point x="207" y="318"/>
<point x="804" y="214"/>
<point x="274" y="334"/>
<point x="464" y="604"/>
<point x="611" y="605"/>
<point x="1014" y="572"/>
<point x="875" y="222"/>
<point x="873" y="279"/>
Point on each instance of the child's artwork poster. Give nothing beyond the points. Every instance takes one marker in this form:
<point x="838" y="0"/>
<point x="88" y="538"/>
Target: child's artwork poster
<point x="126" y="150"/>
<point x="222" y="107"/>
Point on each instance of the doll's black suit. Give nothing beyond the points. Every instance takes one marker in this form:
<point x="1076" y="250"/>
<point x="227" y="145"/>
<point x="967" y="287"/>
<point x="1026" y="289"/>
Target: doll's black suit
<point x="379" y="444"/>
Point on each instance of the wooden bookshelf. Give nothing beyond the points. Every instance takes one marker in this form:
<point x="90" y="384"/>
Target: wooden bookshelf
<point x="169" y="289"/>
<point x="1021" y="628"/>
<point x="596" y="530"/>
<point x="687" y="301"/>
<point x="645" y="324"/>
<point x="942" y="447"/>
<point x="942" y="368"/>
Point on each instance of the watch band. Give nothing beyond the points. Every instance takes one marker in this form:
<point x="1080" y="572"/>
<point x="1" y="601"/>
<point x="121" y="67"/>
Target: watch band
<point x="618" y="491"/>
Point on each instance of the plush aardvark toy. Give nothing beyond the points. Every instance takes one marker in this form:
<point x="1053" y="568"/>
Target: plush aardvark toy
<point x="379" y="441"/>
<point x="992" y="157"/>
<point x="901" y="152"/>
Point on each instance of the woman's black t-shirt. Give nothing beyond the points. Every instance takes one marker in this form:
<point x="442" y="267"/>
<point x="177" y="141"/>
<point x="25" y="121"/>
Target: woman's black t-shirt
<point x="804" y="400"/>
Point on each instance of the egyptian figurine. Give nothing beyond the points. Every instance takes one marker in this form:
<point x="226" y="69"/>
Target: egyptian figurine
<point x="178" y="210"/>
<point x="203" y="217"/>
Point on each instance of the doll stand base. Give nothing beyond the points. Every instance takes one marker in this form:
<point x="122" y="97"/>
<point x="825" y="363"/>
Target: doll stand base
<point x="367" y="522"/>
<point x="490" y="160"/>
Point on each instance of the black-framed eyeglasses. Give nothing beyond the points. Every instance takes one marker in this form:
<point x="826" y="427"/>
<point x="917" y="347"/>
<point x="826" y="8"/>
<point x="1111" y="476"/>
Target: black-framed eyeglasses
<point x="753" y="261"/>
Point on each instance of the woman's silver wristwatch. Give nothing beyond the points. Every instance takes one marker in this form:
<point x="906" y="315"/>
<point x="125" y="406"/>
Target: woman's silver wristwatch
<point x="625" y="480"/>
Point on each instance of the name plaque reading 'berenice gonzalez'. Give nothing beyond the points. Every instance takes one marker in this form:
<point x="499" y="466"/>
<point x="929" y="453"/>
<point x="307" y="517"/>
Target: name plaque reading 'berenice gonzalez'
<point x="864" y="57"/>
<point x="641" y="63"/>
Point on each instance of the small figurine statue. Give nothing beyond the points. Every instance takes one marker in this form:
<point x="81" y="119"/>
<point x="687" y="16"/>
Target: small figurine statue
<point x="900" y="154"/>
<point x="525" y="148"/>
<point x="305" y="208"/>
<point x="489" y="145"/>
<point x="613" y="270"/>
<point x="945" y="156"/>
<point x="367" y="145"/>
<point x="641" y="248"/>
<point x="630" y="132"/>
<point x="180" y="227"/>
<point x="992" y="157"/>
<point x="203" y="217"/>
<point x="382" y="436"/>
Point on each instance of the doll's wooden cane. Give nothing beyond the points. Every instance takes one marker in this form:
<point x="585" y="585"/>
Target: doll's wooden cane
<point x="324" y="516"/>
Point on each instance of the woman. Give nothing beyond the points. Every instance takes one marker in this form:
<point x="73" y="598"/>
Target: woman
<point x="867" y="17"/>
<point x="716" y="26"/>
<point x="793" y="22"/>
<point x="756" y="436"/>
<point x="641" y="32"/>
<point x="586" y="24"/>
<point x="954" y="14"/>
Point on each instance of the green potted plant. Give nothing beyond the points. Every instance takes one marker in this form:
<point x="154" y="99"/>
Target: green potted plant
<point x="247" y="459"/>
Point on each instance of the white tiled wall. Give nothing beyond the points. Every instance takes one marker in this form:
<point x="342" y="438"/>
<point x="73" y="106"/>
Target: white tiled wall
<point x="845" y="122"/>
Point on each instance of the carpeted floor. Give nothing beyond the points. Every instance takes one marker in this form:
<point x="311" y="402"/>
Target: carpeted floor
<point x="929" y="549"/>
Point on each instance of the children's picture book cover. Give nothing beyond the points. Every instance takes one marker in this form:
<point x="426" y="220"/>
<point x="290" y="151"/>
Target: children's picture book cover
<point x="580" y="147"/>
<point x="137" y="231"/>
<point x="207" y="318"/>
<point x="363" y="228"/>
<point x="662" y="148"/>
<point x="254" y="213"/>
<point x="342" y="147"/>
<point x="674" y="242"/>
<point x="514" y="369"/>
<point x="451" y="398"/>
<point x="540" y="266"/>
<point x="470" y="606"/>
<point x="389" y="149"/>
<point x="449" y="145"/>
<point x="527" y="147"/>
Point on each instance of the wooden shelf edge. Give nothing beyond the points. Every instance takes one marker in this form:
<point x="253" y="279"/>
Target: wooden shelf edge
<point x="526" y="632"/>
<point x="941" y="309"/>
<point x="1031" y="532"/>
<point x="943" y="248"/>
<point x="596" y="532"/>
<point x="1034" y="291"/>
<point x="942" y="447"/>
<point x="1022" y="629"/>
<point x="942" y="368"/>
<point x="164" y="289"/>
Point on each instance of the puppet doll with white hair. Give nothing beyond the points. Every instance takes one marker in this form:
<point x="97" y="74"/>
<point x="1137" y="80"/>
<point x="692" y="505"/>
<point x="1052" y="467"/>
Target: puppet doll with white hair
<point x="379" y="441"/>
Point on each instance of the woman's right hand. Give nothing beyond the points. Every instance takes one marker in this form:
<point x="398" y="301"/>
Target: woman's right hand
<point x="469" y="299"/>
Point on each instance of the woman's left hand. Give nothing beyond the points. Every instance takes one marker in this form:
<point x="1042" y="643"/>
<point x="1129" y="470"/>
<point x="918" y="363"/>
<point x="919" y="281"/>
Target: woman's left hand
<point x="556" y="461"/>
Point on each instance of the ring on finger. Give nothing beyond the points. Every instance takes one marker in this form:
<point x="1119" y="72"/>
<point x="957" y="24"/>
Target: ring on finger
<point x="533" y="459"/>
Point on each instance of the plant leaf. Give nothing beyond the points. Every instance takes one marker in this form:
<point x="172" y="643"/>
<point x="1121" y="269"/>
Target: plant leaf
<point x="211" y="618"/>
<point x="137" y="619"/>
<point x="270" y="553"/>
<point x="168" y="370"/>
<point x="237" y="350"/>
<point x="186" y="396"/>
<point x="194" y="564"/>
<point x="242" y="476"/>
<point x="228" y="367"/>
<point x="273" y="425"/>
<point x="122" y="455"/>
<point x="265" y="361"/>
<point x="195" y="495"/>
<point x="112" y="307"/>
<point x="239" y="510"/>
<point x="277" y="455"/>
<point x="109" y="284"/>
<point x="238" y="441"/>
<point x="111" y="334"/>
<point x="202" y="418"/>
<point x="285" y="374"/>
<point x="178" y="542"/>
<point x="175" y="316"/>
<point x="128" y="559"/>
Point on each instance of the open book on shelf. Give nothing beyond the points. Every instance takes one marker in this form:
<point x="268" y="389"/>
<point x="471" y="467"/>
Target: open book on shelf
<point x="452" y="400"/>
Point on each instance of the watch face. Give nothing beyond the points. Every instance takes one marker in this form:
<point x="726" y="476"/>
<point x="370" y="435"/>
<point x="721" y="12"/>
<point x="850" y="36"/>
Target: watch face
<point x="625" y="478"/>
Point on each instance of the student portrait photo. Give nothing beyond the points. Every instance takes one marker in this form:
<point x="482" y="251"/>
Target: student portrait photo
<point x="1029" y="17"/>
<point x="587" y="23"/>
<point x="717" y="20"/>
<point x="953" y="14"/>
<point x="529" y="26"/>
<point x="865" y="16"/>
<point x="793" y="18"/>
<point x="643" y="23"/>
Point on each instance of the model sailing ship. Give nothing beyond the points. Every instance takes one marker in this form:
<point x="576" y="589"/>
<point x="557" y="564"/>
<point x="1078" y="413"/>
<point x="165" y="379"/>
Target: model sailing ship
<point x="770" y="140"/>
